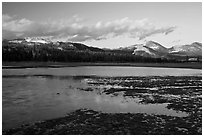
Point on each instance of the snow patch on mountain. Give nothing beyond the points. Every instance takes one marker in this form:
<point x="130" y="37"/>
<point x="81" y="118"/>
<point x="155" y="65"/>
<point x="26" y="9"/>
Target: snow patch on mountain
<point x="156" y="46"/>
<point x="38" y="40"/>
<point x="142" y="48"/>
<point x="152" y="45"/>
<point x="16" y="41"/>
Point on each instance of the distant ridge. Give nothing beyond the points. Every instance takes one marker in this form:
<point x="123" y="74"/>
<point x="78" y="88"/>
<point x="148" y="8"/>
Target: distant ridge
<point x="150" y="49"/>
<point x="155" y="50"/>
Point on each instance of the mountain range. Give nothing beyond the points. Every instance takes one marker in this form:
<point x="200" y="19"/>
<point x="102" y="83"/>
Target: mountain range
<point x="149" y="49"/>
<point x="156" y="50"/>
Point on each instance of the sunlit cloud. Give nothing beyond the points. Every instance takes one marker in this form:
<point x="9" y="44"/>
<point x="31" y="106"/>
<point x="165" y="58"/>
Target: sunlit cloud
<point x="76" y="29"/>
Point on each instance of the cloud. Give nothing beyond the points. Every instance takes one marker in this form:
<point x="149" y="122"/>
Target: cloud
<point x="164" y="30"/>
<point x="13" y="25"/>
<point x="76" y="29"/>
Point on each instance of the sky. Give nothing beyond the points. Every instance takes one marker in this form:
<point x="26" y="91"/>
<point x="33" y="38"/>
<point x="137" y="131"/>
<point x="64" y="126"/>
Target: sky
<point x="105" y="25"/>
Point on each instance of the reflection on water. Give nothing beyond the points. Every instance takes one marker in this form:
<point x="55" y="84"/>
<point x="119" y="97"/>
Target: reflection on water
<point x="28" y="99"/>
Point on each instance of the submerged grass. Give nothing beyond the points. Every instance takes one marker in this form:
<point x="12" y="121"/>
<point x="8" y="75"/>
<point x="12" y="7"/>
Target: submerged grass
<point x="183" y="93"/>
<point x="89" y="122"/>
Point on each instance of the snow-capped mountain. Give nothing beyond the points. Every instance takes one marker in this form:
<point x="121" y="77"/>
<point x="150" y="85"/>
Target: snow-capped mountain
<point x="194" y="49"/>
<point x="129" y="48"/>
<point x="16" y="40"/>
<point x="37" y="40"/>
<point x="150" y="49"/>
<point x="63" y="46"/>
<point x="156" y="47"/>
<point x="142" y="50"/>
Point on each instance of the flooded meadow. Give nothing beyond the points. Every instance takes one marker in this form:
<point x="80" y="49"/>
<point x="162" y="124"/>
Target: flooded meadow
<point x="102" y="100"/>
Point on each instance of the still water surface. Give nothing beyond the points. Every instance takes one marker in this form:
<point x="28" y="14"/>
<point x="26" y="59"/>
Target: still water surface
<point x="104" y="71"/>
<point x="33" y="97"/>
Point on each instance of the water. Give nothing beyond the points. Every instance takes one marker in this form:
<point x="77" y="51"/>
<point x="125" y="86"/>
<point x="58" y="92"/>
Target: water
<point x="103" y="71"/>
<point x="33" y="97"/>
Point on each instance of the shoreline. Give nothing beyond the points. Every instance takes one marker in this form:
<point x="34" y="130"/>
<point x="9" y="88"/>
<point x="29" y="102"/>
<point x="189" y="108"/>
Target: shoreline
<point x="20" y="65"/>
